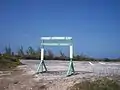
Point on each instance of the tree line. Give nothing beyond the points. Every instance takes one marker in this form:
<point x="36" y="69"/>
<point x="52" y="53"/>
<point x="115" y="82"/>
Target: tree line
<point x="30" y="53"/>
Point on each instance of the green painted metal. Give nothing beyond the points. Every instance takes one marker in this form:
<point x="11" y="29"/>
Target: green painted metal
<point x="52" y="41"/>
<point x="71" y="69"/>
<point x="42" y="67"/>
<point x="56" y="44"/>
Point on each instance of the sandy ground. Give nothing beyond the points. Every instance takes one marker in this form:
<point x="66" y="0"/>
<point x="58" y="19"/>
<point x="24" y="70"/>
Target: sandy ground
<point x="24" y="77"/>
<point x="59" y="68"/>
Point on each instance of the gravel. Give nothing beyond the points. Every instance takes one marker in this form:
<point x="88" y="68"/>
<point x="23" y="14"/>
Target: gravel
<point x="25" y="77"/>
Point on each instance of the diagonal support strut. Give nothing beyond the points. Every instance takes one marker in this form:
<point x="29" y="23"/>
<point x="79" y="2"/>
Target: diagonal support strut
<point x="42" y="67"/>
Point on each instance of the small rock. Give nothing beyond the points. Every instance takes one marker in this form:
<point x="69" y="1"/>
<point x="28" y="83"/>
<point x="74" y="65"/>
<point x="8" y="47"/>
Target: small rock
<point x="1" y="72"/>
<point x="16" y="82"/>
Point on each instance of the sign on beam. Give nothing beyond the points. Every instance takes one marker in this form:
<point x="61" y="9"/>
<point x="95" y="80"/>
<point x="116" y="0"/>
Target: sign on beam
<point x="56" y="38"/>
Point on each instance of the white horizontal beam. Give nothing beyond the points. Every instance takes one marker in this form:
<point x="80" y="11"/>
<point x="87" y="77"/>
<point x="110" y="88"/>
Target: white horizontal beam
<point x="56" y="44"/>
<point x="56" y="38"/>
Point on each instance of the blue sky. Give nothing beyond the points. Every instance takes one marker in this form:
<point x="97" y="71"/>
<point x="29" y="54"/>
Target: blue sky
<point x="93" y="24"/>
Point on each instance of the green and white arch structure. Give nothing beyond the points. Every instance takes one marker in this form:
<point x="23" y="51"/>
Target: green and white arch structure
<point x="56" y="41"/>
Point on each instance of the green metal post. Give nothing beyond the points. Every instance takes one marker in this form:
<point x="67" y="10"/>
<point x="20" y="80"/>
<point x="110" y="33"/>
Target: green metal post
<point x="71" y="66"/>
<point x="42" y="67"/>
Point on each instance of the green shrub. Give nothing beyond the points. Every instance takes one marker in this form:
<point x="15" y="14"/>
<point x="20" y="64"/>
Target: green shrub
<point x="100" y="84"/>
<point x="7" y="62"/>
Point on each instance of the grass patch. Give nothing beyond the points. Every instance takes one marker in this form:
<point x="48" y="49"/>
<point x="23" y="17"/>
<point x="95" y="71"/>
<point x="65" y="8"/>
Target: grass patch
<point x="99" y="84"/>
<point x="7" y="63"/>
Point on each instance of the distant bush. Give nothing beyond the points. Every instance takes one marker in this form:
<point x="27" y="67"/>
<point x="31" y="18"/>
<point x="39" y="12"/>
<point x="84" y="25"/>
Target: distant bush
<point x="8" y="62"/>
<point x="30" y="53"/>
<point x="100" y="84"/>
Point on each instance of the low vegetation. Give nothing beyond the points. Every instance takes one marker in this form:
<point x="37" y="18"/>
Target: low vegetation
<point x="10" y="59"/>
<point x="99" y="84"/>
<point x="8" y="62"/>
<point x="30" y="53"/>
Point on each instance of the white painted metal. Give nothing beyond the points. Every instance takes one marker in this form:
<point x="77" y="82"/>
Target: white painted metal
<point x="56" y="38"/>
<point x="42" y="53"/>
<point x="45" y="38"/>
<point x="71" y="67"/>
<point x="91" y="63"/>
<point x="71" y="51"/>
<point x="101" y="62"/>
